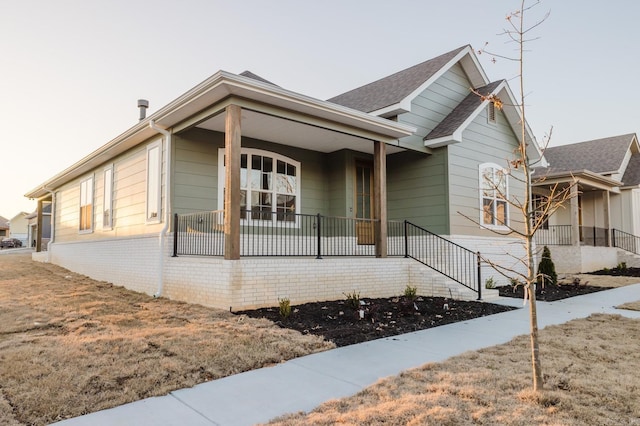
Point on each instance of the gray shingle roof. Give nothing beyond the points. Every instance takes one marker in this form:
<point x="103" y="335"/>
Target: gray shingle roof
<point x="256" y="77"/>
<point x="392" y="89"/>
<point x="632" y="174"/>
<point x="600" y="156"/>
<point x="461" y="112"/>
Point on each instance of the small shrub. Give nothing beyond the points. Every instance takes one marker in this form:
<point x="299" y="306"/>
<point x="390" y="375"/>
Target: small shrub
<point x="514" y="282"/>
<point x="622" y="266"/>
<point x="285" y="307"/>
<point x="546" y="269"/>
<point x="353" y="300"/>
<point x="490" y="283"/>
<point x="411" y="292"/>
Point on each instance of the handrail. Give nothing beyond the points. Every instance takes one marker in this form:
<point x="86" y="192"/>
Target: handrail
<point x="625" y="241"/>
<point x="446" y="257"/>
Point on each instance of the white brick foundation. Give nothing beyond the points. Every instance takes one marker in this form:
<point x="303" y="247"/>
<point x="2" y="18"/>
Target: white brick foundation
<point x="250" y="282"/>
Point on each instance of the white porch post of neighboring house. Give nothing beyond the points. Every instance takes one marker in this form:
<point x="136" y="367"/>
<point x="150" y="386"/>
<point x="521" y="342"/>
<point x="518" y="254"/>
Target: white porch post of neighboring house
<point x="232" y="146"/>
<point x="380" y="197"/>
<point x="606" y="203"/>
<point x="38" y="236"/>
<point x="575" y="211"/>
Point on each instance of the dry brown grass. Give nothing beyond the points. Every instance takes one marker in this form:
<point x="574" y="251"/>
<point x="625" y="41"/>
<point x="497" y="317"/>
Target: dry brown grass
<point x="70" y="345"/>
<point x="631" y="306"/>
<point x="592" y="377"/>
<point x="600" y="280"/>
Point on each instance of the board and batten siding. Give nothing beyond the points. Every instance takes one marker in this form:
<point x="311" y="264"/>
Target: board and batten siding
<point x="128" y="200"/>
<point x="482" y="142"/>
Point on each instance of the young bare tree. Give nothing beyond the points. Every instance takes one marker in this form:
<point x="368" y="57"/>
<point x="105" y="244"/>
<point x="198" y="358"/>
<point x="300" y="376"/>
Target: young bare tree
<point x="519" y="32"/>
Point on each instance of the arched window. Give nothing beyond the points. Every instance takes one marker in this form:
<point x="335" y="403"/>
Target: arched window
<point x="494" y="193"/>
<point x="269" y="185"/>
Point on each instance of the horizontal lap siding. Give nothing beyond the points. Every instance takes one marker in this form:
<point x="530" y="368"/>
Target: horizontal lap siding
<point x="129" y="199"/>
<point x="417" y="184"/>
<point x="416" y="189"/>
<point x="482" y="142"/>
<point x="196" y="171"/>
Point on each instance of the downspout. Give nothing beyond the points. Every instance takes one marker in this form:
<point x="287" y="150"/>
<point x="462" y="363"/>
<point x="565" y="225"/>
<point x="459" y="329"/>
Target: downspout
<point x="167" y="205"/>
<point x="53" y="223"/>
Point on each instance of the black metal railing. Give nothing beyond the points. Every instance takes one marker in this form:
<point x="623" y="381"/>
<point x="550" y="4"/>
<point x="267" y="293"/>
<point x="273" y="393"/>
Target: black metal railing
<point x="554" y="235"/>
<point x="288" y="234"/>
<point x="284" y="234"/>
<point x="450" y="259"/>
<point x="625" y="241"/>
<point x="594" y="236"/>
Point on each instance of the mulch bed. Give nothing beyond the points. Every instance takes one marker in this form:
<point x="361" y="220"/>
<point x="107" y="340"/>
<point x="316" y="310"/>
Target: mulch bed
<point x="551" y="293"/>
<point x="340" y="323"/>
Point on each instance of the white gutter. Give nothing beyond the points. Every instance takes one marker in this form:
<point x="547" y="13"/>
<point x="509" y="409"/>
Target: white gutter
<point x="167" y="204"/>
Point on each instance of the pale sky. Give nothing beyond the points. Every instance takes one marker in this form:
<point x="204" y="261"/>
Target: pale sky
<point x="71" y="71"/>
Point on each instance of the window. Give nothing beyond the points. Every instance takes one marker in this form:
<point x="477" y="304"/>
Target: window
<point x="491" y="113"/>
<point x="269" y="185"/>
<point x="493" y="195"/>
<point x="86" y="205"/>
<point x="539" y="204"/>
<point x="107" y="217"/>
<point x="154" y="161"/>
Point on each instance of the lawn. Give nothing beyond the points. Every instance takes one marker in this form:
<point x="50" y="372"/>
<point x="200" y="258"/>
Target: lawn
<point x="70" y="345"/>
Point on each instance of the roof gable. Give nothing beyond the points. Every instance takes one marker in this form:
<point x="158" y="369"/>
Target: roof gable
<point x="603" y="156"/>
<point x="631" y="175"/>
<point x="465" y="112"/>
<point x="391" y="92"/>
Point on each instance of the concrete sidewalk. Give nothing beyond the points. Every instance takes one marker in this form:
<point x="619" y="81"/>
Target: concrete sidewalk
<point x="303" y="383"/>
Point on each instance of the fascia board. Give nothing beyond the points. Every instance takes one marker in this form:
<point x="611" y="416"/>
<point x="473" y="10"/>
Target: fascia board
<point x="405" y="104"/>
<point x="169" y="115"/>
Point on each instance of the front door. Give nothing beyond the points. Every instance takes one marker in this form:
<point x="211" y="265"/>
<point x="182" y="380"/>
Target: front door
<point x="364" y="203"/>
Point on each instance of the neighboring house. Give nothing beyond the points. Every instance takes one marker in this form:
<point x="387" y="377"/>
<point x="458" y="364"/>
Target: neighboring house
<point x="40" y="232"/>
<point x="19" y="227"/>
<point x="241" y="192"/>
<point x="4" y="227"/>
<point x="603" y="215"/>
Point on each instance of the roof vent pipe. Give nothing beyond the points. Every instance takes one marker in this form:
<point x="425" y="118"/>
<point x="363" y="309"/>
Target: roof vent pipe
<point x="143" y="104"/>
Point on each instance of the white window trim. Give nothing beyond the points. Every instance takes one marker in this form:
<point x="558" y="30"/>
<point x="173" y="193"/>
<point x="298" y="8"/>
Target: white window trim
<point x="109" y="225"/>
<point x="275" y="157"/>
<point x="481" y="196"/>
<point x="158" y="218"/>
<point x="91" y="191"/>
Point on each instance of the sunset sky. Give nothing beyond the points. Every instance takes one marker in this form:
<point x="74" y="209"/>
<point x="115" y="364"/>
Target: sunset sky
<point x="72" y="70"/>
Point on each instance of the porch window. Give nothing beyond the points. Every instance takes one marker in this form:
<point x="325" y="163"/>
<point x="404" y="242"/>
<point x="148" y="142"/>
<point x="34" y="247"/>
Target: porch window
<point x="269" y="185"/>
<point x="493" y="196"/>
<point x="107" y="218"/>
<point x="86" y="205"/>
<point x="154" y="161"/>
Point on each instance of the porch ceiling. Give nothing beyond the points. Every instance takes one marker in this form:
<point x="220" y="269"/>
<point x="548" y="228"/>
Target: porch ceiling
<point x="290" y="132"/>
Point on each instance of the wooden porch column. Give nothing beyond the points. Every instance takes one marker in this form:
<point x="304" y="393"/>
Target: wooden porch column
<point x="606" y="203"/>
<point x="575" y="211"/>
<point x="233" y="133"/>
<point x="380" y="197"/>
<point x="38" y="228"/>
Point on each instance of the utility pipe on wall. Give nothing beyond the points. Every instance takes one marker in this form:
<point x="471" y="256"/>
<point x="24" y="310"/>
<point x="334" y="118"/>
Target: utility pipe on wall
<point x="167" y="204"/>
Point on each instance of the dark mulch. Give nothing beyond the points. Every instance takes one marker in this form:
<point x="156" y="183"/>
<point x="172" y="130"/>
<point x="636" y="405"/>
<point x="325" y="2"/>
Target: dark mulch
<point x="619" y="272"/>
<point x="551" y="293"/>
<point x="341" y="323"/>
